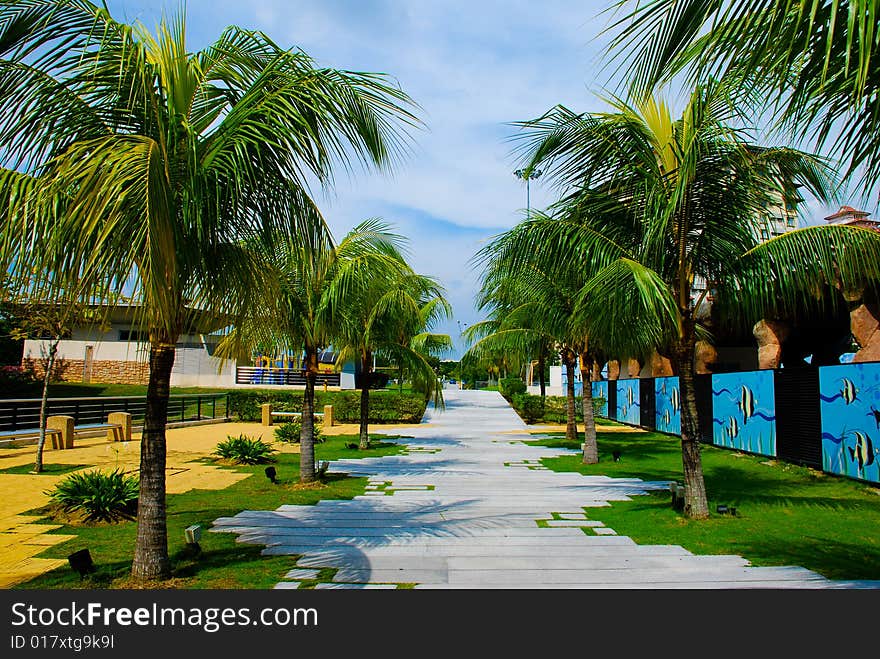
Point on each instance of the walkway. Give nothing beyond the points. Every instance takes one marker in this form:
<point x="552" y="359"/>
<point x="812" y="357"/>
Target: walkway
<point x="462" y="510"/>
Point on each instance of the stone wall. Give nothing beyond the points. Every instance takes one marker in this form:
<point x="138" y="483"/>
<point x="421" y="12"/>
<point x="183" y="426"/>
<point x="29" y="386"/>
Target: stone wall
<point x="103" y="372"/>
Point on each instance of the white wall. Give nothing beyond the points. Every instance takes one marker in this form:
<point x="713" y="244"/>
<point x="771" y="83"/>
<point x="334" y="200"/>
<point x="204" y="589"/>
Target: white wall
<point x="194" y="367"/>
<point x="110" y="351"/>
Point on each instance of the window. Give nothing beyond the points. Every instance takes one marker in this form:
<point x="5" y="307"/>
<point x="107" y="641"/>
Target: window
<point x="134" y="336"/>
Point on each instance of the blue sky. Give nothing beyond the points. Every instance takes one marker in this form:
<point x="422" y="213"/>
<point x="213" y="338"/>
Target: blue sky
<point x="472" y="66"/>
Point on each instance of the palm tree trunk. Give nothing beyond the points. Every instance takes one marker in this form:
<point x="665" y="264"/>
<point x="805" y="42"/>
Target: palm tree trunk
<point x="307" y="427"/>
<point x="542" y="362"/>
<point x="591" y="448"/>
<point x="571" y="431"/>
<point x="44" y="403"/>
<point x="151" y="560"/>
<point x="696" y="505"/>
<point x="366" y="377"/>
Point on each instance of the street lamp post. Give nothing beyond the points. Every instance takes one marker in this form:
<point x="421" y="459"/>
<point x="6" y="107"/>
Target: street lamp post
<point x="528" y="175"/>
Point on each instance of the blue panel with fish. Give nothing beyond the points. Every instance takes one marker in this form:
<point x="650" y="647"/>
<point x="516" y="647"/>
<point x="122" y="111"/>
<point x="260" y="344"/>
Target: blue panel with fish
<point x="744" y="411"/>
<point x="628" y="402"/>
<point x="667" y="397"/>
<point x="600" y="390"/>
<point x="849" y="402"/>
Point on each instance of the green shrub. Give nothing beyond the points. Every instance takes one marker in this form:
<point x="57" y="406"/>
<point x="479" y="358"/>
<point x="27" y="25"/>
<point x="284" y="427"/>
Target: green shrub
<point x="530" y="408"/>
<point x="291" y="431"/>
<point x="245" y="450"/>
<point x="510" y="387"/>
<point x="102" y="497"/>
<point x="387" y="406"/>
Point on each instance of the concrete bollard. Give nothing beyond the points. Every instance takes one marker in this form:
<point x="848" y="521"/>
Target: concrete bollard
<point x="328" y="416"/>
<point x="123" y="432"/>
<point x="266" y="409"/>
<point x="65" y="425"/>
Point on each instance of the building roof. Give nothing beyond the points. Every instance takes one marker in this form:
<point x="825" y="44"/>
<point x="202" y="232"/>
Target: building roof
<point x="847" y="213"/>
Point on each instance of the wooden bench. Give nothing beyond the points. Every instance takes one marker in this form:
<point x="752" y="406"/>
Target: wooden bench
<point x="267" y="415"/>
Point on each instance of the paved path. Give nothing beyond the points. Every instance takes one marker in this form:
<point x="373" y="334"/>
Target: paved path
<point x="461" y="510"/>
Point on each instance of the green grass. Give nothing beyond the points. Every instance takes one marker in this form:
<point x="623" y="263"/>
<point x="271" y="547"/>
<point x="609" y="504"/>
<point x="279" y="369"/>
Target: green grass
<point x="787" y="515"/>
<point x="223" y="563"/>
<point x="49" y="469"/>
<point x="79" y="390"/>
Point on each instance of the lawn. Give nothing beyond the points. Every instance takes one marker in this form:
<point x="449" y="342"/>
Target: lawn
<point x="786" y="515"/>
<point x="223" y="563"/>
<point x="79" y="390"/>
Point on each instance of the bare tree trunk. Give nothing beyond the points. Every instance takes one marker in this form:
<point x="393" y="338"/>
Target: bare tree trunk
<point x="542" y="362"/>
<point x="307" y="428"/>
<point x="366" y="378"/>
<point x="591" y="448"/>
<point x="44" y="403"/>
<point x="696" y="505"/>
<point x="151" y="560"/>
<point x="571" y="431"/>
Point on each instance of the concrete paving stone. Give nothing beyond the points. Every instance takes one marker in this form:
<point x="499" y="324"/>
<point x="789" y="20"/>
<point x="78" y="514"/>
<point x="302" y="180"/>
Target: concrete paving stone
<point x="572" y="515"/>
<point x="602" y="530"/>
<point x="302" y="574"/>
<point x="286" y="585"/>
<point x="355" y="586"/>
<point x="556" y="523"/>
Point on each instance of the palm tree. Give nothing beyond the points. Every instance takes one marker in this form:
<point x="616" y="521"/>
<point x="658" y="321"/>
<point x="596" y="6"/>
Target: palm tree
<point x="167" y="160"/>
<point x="654" y="207"/>
<point x="389" y="310"/>
<point x="296" y="315"/>
<point x="813" y="63"/>
<point x="537" y="297"/>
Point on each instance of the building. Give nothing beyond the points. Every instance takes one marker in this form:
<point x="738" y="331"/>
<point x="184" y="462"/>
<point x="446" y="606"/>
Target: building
<point x="851" y="216"/>
<point x="116" y="352"/>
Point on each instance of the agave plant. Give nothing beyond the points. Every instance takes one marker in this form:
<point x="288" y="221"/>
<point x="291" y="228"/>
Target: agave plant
<point x="100" y="496"/>
<point x="245" y="450"/>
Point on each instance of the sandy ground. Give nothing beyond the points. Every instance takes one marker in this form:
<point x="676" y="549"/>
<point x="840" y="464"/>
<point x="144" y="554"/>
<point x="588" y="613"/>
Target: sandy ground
<point x="22" y="539"/>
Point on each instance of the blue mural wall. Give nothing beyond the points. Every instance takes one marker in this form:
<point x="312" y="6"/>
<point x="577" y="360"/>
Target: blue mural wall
<point x="600" y="390"/>
<point x="667" y="397"/>
<point x="628" y="401"/>
<point x="744" y="411"/>
<point x="849" y="404"/>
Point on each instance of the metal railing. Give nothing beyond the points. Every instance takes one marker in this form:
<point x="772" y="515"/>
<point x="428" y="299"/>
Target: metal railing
<point x="281" y="376"/>
<point x="24" y="413"/>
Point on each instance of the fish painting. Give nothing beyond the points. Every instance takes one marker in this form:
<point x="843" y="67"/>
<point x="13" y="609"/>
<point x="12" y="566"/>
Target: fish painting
<point x="732" y="428"/>
<point x="623" y="411"/>
<point x="747" y="403"/>
<point x="863" y="452"/>
<point x="667" y="417"/>
<point x="663" y="387"/>
<point x="676" y="400"/>
<point x="629" y="396"/>
<point x="876" y="414"/>
<point x="849" y="393"/>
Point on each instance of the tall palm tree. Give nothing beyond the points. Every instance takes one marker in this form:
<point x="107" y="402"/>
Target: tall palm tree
<point x="538" y="295"/>
<point x="389" y="311"/>
<point x="296" y="315"/>
<point x="654" y="206"/>
<point x="167" y="160"/>
<point x="814" y="63"/>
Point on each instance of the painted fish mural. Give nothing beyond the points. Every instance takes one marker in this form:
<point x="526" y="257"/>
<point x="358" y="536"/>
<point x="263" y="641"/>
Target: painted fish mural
<point x="732" y="428"/>
<point x="849" y="393"/>
<point x="629" y="397"/>
<point x="862" y="454"/>
<point x="676" y="400"/>
<point x="747" y="403"/>
<point x="667" y="417"/>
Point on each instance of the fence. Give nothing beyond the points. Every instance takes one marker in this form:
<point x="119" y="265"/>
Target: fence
<point x="827" y="418"/>
<point x="20" y="414"/>
<point x="281" y="376"/>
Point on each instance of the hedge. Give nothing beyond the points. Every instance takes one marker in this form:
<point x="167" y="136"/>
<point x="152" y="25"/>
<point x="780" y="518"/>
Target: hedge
<point x="531" y="409"/>
<point x="385" y="406"/>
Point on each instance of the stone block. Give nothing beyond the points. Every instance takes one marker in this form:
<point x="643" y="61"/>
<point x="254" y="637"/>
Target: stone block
<point x="123" y="432"/>
<point x="613" y="369"/>
<point x="266" y="413"/>
<point x="328" y="416"/>
<point x="65" y="425"/>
